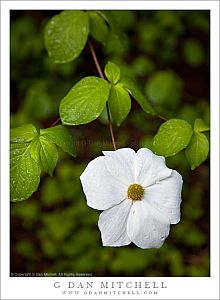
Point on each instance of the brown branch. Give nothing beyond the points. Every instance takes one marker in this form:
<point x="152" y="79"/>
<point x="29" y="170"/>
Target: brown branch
<point x="98" y="67"/>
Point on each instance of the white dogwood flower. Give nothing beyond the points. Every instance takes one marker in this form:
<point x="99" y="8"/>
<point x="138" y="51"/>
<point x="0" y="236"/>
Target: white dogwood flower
<point x="140" y="197"/>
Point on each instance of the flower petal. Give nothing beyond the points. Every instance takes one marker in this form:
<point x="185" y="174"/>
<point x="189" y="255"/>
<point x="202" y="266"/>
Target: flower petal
<point x="120" y="164"/>
<point x="149" y="168"/>
<point x="146" y="226"/>
<point x="101" y="189"/>
<point x="165" y="196"/>
<point x="113" y="225"/>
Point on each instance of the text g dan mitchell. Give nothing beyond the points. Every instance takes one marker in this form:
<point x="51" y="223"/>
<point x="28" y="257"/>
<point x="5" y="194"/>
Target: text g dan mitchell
<point x="110" y="285"/>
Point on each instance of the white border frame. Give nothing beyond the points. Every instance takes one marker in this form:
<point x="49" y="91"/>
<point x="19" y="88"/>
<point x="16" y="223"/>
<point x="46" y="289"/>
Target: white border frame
<point x="43" y="287"/>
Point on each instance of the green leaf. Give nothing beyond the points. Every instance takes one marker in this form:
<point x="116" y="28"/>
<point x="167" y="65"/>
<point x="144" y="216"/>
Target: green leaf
<point x="66" y="35"/>
<point x="45" y="154"/>
<point x="61" y="136"/>
<point x="134" y="90"/>
<point x="23" y="134"/>
<point x="115" y="28"/>
<point x="172" y="136"/>
<point x="198" y="149"/>
<point x="112" y="72"/>
<point x="24" y="172"/>
<point x="200" y="125"/>
<point x="98" y="27"/>
<point x="115" y="45"/>
<point x="85" y="101"/>
<point x="119" y="104"/>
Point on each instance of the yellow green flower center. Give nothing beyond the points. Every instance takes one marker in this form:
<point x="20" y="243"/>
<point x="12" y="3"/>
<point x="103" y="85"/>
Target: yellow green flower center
<point x="135" y="192"/>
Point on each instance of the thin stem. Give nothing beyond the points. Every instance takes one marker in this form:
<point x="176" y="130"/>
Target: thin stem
<point x="110" y="127"/>
<point x="96" y="61"/>
<point x="55" y="122"/>
<point x="98" y="67"/>
<point x="161" y="117"/>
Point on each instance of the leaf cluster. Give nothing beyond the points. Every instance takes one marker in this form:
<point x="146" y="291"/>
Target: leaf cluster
<point x="66" y="34"/>
<point x="87" y="99"/>
<point x="176" y="134"/>
<point x="32" y="152"/>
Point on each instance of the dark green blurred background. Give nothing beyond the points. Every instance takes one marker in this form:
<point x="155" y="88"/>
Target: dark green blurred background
<point x="167" y="52"/>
